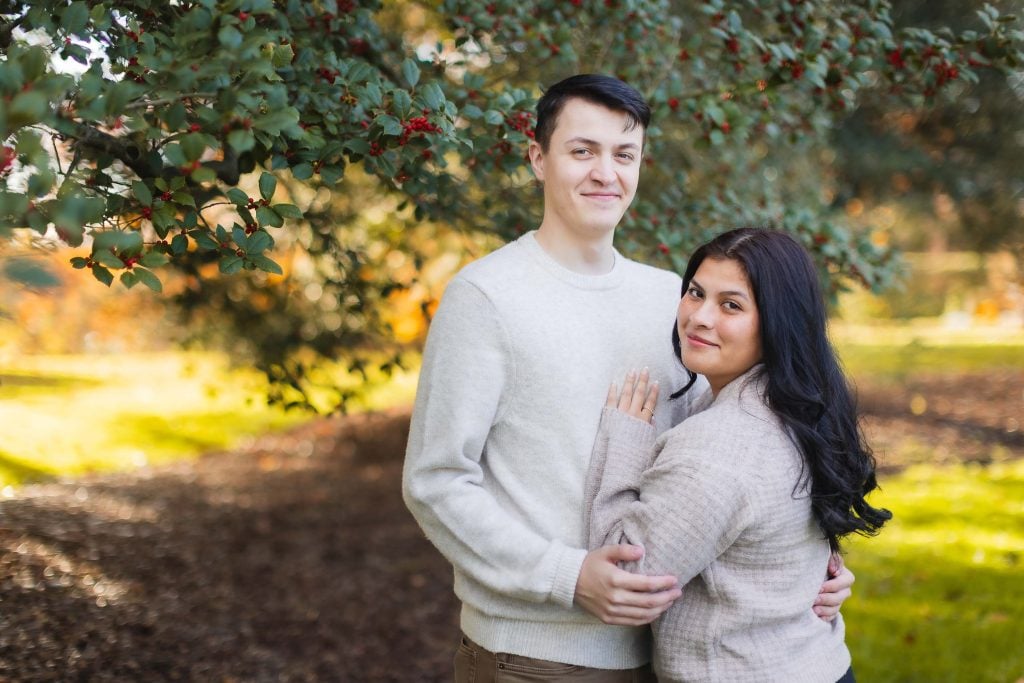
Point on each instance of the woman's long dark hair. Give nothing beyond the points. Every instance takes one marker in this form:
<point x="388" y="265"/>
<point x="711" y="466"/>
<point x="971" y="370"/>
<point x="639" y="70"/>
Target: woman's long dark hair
<point x="805" y="385"/>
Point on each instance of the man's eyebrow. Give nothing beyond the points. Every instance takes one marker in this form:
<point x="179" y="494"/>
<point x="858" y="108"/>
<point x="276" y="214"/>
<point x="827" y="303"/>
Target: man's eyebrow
<point x="595" y="143"/>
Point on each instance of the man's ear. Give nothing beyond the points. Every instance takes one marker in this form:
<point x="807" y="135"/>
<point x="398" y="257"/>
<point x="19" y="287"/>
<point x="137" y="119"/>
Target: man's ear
<point x="536" y="155"/>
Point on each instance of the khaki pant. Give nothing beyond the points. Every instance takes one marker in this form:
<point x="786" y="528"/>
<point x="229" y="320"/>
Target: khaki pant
<point x="474" y="664"/>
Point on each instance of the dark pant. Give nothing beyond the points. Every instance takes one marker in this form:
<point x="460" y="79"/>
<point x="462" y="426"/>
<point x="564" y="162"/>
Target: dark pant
<point x="474" y="664"/>
<point x="847" y="677"/>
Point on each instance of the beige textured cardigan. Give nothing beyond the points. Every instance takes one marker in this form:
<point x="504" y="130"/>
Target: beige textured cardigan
<point x="716" y="501"/>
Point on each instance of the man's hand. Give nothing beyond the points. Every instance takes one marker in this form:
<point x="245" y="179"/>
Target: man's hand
<point x="616" y="596"/>
<point x="835" y="590"/>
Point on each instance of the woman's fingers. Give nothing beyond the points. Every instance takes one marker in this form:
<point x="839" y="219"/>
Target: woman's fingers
<point x="647" y="412"/>
<point x="639" y="395"/>
<point x="626" y="397"/>
<point x="636" y="401"/>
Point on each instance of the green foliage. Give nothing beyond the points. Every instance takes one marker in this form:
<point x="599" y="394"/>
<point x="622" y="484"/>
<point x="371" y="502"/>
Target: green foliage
<point x="966" y="149"/>
<point x="174" y="104"/>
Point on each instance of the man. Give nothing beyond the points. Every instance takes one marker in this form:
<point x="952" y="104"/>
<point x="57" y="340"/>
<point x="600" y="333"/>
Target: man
<point x="515" y="372"/>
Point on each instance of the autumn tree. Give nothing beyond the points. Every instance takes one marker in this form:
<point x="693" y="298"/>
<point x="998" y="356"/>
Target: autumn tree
<point x="138" y="153"/>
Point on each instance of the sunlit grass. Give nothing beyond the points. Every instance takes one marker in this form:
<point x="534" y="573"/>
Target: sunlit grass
<point x="938" y="596"/>
<point x="895" y="351"/>
<point x="74" y="414"/>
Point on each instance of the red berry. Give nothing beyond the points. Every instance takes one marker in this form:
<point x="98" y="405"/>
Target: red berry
<point x="896" y="58"/>
<point x="663" y="248"/>
<point x="242" y="16"/>
<point x="673" y="103"/>
<point x="195" y="127"/>
<point x="7" y="155"/>
<point x="166" y="196"/>
<point x="147" y="212"/>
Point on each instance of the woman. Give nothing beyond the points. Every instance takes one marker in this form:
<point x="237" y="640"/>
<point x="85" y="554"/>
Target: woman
<point x="746" y="500"/>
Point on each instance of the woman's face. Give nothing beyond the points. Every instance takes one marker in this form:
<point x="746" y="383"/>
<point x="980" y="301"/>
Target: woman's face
<point x="719" y="326"/>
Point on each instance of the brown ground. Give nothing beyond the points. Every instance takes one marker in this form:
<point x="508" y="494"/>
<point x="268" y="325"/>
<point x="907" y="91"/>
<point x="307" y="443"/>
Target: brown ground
<point x="294" y="559"/>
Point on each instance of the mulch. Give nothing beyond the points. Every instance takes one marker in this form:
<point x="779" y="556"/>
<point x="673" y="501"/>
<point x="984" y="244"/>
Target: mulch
<point x="293" y="558"/>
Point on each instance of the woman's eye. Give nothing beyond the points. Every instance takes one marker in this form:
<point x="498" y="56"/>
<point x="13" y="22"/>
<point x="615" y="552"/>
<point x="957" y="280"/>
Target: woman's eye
<point x="693" y="292"/>
<point x="732" y="306"/>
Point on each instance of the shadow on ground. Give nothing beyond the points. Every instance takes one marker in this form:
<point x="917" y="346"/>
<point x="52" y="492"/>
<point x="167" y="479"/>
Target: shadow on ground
<point x="291" y="560"/>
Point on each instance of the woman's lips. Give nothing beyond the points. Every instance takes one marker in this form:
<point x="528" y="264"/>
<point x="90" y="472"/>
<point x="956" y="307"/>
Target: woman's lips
<point x="698" y="341"/>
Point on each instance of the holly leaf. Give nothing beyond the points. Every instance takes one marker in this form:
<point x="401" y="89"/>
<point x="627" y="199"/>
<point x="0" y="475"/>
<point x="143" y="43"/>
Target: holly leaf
<point x="142" y="193"/>
<point x="268" y="184"/>
<point x="411" y="72"/>
<point x="147" y="278"/>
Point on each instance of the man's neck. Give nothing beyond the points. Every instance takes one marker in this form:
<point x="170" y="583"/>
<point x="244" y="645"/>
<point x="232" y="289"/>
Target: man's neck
<point x="584" y="256"/>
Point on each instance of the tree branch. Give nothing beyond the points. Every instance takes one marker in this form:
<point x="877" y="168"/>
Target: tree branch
<point x="7" y="31"/>
<point x="123" y="149"/>
<point x="143" y="104"/>
<point x="132" y="155"/>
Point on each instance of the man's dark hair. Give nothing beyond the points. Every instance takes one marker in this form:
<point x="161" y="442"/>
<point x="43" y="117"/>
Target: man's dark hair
<point x="607" y="91"/>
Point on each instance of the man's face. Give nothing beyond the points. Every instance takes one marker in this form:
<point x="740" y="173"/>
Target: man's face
<point x="590" y="169"/>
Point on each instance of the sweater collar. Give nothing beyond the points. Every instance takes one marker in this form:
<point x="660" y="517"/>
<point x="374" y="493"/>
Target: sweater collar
<point x="609" y="280"/>
<point x="750" y="386"/>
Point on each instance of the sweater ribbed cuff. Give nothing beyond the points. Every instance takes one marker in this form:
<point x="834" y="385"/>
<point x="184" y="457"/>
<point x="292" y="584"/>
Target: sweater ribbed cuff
<point x="567" y="573"/>
<point x="630" y="442"/>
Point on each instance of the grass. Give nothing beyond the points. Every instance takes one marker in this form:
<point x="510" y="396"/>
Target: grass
<point x="66" y="416"/>
<point x="938" y="596"/>
<point x="896" y="351"/>
<point x="69" y="415"/>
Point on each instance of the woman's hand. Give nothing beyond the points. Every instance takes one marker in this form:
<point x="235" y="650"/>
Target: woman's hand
<point x="638" y="398"/>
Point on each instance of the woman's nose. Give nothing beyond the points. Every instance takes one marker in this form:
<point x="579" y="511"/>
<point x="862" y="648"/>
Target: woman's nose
<point x="703" y="315"/>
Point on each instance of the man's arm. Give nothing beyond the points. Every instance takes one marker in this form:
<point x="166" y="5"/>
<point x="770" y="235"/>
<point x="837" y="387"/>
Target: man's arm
<point x="465" y="380"/>
<point x="835" y="590"/>
<point x="616" y="596"/>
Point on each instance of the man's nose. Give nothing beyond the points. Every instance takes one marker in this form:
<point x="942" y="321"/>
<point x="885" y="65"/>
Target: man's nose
<point x="602" y="170"/>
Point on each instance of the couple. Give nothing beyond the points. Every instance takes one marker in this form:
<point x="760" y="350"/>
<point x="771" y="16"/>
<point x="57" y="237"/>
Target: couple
<point x="513" y="471"/>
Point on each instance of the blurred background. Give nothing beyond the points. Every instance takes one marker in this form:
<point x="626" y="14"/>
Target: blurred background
<point x="202" y="483"/>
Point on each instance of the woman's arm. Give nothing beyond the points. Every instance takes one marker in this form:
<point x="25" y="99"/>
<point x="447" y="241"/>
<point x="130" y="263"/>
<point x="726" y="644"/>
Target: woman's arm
<point x="682" y="505"/>
<point x="623" y="450"/>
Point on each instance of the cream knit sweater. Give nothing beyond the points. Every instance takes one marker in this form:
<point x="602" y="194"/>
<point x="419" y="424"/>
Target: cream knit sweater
<point x="515" y="371"/>
<point x="716" y="502"/>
